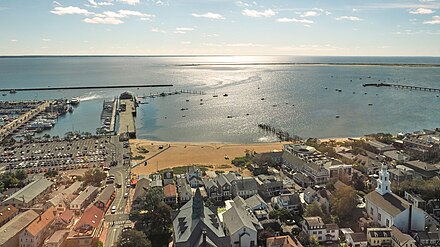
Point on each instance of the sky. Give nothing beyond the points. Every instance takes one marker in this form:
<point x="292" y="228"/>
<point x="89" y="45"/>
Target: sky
<point x="211" y="27"/>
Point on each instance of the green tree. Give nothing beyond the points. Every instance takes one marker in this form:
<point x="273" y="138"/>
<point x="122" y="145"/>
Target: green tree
<point x="313" y="209"/>
<point x="281" y="214"/>
<point x="51" y="173"/>
<point x="21" y="175"/>
<point x="153" y="199"/>
<point x="94" y="177"/>
<point x="344" y="202"/>
<point x="314" y="241"/>
<point x="134" y="238"/>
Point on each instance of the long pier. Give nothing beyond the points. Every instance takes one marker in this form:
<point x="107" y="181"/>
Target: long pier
<point x="400" y="86"/>
<point x="81" y="87"/>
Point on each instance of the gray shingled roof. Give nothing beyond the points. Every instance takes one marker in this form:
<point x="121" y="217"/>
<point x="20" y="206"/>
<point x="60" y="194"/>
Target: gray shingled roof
<point x="209" y="183"/>
<point x="236" y="218"/>
<point x="245" y="183"/>
<point x="142" y="186"/>
<point x="255" y="201"/>
<point x="31" y="191"/>
<point x="188" y="229"/>
<point x="390" y="202"/>
<point x="222" y="180"/>
<point x="106" y="194"/>
<point x="17" y="224"/>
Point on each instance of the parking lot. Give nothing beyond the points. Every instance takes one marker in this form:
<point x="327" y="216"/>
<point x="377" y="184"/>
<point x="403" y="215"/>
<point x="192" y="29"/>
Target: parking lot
<point x="62" y="155"/>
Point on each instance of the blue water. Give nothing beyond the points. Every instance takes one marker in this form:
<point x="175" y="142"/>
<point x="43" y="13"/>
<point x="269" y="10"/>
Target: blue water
<point x="303" y="106"/>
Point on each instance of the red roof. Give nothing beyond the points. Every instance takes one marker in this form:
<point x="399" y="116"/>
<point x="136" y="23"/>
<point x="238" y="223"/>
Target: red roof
<point x="169" y="190"/>
<point x="42" y="221"/>
<point x="91" y="218"/>
<point x="67" y="215"/>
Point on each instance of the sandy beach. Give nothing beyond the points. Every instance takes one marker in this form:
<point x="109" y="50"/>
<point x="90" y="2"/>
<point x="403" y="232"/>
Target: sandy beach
<point x="216" y="156"/>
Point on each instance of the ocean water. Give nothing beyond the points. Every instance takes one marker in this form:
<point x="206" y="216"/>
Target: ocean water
<point x="296" y="98"/>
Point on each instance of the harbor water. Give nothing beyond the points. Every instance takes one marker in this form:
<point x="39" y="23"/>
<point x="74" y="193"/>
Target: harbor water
<point x="303" y="100"/>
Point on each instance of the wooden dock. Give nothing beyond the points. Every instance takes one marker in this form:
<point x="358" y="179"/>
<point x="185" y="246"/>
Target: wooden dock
<point x="127" y="114"/>
<point x="400" y="86"/>
<point x="9" y="128"/>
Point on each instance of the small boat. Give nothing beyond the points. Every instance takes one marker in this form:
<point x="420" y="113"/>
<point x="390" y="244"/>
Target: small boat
<point x="247" y="114"/>
<point x="184" y="109"/>
<point x="187" y="100"/>
<point x="183" y="116"/>
<point x="12" y="91"/>
<point x="4" y="94"/>
<point x="229" y="116"/>
<point x="70" y="109"/>
<point x="74" y="101"/>
<point x="275" y="105"/>
<point x="325" y="88"/>
<point x="354" y="92"/>
<point x="201" y="99"/>
<point x="201" y="103"/>
<point x="215" y="96"/>
<point x="370" y="104"/>
<point x="337" y="116"/>
<point x="262" y="98"/>
<point x="225" y="95"/>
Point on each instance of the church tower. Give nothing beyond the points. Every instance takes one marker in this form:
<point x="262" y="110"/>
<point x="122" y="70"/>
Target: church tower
<point x="383" y="183"/>
<point x="198" y="207"/>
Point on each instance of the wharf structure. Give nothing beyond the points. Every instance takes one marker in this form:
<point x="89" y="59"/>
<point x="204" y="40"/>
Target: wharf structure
<point x="9" y="128"/>
<point x="127" y="113"/>
<point x="400" y="86"/>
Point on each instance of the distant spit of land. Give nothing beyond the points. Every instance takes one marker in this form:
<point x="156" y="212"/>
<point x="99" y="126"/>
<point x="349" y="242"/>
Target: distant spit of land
<point x="312" y="64"/>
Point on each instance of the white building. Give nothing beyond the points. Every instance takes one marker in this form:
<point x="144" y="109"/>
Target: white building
<point x="239" y="226"/>
<point x="388" y="209"/>
<point x="314" y="226"/>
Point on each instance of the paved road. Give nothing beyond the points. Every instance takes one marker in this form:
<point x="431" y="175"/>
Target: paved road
<point x="119" y="219"/>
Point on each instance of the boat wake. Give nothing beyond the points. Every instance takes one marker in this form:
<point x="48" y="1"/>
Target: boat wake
<point x="90" y="96"/>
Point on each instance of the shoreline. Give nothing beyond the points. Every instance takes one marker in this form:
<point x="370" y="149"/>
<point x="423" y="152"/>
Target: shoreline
<point x="153" y="156"/>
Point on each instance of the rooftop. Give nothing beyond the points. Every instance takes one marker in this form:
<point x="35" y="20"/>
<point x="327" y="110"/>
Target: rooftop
<point x="42" y="221"/>
<point x="281" y="241"/>
<point x="169" y="190"/>
<point x="7" y="212"/>
<point x="16" y="225"/>
<point x="31" y="191"/>
<point x="390" y="202"/>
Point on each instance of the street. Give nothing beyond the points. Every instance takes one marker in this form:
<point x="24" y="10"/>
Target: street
<point x="118" y="220"/>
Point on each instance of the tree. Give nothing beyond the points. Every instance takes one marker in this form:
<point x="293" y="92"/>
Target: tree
<point x="281" y="214"/>
<point x="314" y="241"/>
<point x="153" y="199"/>
<point x="313" y="209"/>
<point x="51" y="173"/>
<point x="94" y="177"/>
<point x="263" y="235"/>
<point x="344" y="202"/>
<point x="21" y="175"/>
<point x="134" y="238"/>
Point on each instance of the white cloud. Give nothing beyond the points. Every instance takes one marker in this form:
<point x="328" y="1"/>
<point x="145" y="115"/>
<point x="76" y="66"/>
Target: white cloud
<point x="309" y="47"/>
<point x="46" y="40"/>
<point x="421" y="11"/>
<point x="131" y="2"/>
<point x="245" y="4"/>
<point x="212" y="35"/>
<point x="93" y="3"/>
<point x="56" y="3"/>
<point x="14" y="40"/>
<point x="434" y="20"/>
<point x="126" y="13"/>
<point x="209" y="15"/>
<point x="157" y="30"/>
<point x="110" y="14"/>
<point x="106" y="20"/>
<point x="183" y="30"/>
<point x="294" y="20"/>
<point x="310" y="14"/>
<point x="70" y="11"/>
<point x="256" y="13"/>
<point x="185" y="42"/>
<point x="348" y="18"/>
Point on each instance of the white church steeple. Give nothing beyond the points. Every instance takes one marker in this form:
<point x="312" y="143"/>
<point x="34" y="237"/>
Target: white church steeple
<point x="383" y="183"/>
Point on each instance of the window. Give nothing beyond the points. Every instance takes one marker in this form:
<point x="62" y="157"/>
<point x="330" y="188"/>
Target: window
<point x="379" y="216"/>
<point x="371" y="211"/>
<point x="388" y="223"/>
<point x="386" y="187"/>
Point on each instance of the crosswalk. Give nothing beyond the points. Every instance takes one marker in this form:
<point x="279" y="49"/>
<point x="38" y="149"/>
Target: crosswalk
<point x="120" y="222"/>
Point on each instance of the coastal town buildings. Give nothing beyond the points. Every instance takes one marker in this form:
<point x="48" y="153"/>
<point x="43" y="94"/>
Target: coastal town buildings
<point x="28" y="195"/>
<point x="388" y="209"/>
<point x="324" y="233"/>
<point x="196" y="225"/>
